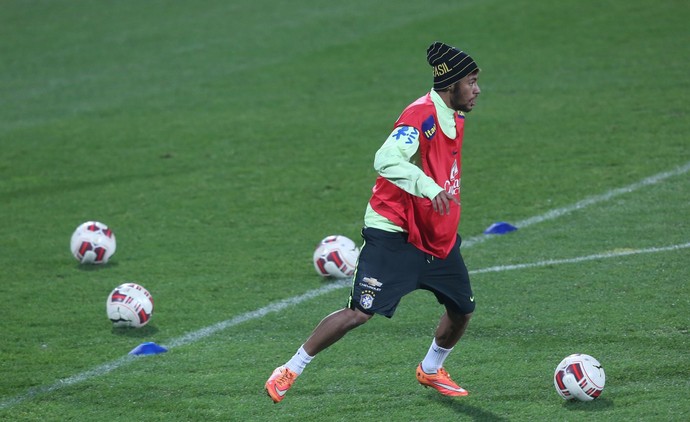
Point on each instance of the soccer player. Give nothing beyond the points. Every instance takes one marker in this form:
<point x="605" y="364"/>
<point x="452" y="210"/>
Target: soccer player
<point x="410" y="226"/>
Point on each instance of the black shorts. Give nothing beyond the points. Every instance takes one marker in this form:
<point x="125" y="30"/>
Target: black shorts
<point x="389" y="268"/>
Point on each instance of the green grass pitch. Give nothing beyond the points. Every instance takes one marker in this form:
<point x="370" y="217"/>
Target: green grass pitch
<point x="222" y="140"/>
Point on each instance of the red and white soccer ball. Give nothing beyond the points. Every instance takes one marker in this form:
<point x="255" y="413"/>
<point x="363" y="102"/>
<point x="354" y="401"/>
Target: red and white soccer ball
<point x="129" y="305"/>
<point x="336" y="256"/>
<point x="93" y="243"/>
<point x="579" y="377"/>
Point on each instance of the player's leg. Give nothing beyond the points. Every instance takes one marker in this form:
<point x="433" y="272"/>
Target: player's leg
<point x="330" y="329"/>
<point x="386" y="270"/>
<point x="430" y="371"/>
<point x="449" y="280"/>
<point x="333" y="328"/>
<point x="451" y="328"/>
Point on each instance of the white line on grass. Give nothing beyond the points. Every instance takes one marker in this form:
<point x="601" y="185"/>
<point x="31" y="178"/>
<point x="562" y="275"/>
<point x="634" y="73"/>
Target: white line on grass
<point x="286" y="303"/>
<point x="180" y="341"/>
<point x="66" y="382"/>
<point x="559" y="212"/>
<point x="613" y="254"/>
<point x="259" y="313"/>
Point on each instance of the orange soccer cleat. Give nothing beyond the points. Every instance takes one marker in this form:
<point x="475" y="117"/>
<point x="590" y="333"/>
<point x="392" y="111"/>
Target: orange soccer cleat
<point x="440" y="381"/>
<point x="279" y="383"/>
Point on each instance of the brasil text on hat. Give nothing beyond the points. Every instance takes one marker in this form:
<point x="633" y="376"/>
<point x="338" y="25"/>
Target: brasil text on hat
<point x="449" y="63"/>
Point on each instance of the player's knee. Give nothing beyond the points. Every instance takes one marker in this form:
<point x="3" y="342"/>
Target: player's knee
<point x="358" y="318"/>
<point x="458" y="317"/>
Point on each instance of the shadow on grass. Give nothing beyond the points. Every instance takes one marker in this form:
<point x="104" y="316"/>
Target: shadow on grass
<point x="145" y="331"/>
<point x="597" y="405"/>
<point x="95" y="267"/>
<point x="472" y="412"/>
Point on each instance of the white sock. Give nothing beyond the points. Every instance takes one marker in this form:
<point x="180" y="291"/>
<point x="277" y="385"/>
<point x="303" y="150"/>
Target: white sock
<point x="434" y="358"/>
<point x="299" y="361"/>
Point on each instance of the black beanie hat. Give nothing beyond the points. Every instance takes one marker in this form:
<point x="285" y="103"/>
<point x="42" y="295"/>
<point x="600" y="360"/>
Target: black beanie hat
<point x="449" y="64"/>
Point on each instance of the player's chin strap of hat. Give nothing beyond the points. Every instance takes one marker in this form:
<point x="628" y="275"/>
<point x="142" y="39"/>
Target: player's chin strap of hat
<point x="449" y="64"/>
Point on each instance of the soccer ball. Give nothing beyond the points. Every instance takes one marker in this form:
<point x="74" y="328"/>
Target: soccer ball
<point x="336" y="256"/>
<point x="580" y="377"/>
<point x="93" y="243"/>
<point x="129" y="305"/>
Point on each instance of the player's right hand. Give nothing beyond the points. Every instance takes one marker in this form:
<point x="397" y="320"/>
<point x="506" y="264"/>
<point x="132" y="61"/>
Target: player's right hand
<point x="442" y="202"/>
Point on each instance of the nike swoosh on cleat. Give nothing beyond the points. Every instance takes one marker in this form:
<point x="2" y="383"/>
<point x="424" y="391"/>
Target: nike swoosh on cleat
<point x="448" y="387"/>
<point x="280" y="392"/>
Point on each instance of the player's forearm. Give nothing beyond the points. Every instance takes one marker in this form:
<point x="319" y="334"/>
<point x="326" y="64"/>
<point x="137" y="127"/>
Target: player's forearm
<point x="409" y="178"/>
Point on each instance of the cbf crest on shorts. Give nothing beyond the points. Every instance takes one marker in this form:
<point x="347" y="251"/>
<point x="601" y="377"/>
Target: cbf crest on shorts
<point x="366" y="300"/>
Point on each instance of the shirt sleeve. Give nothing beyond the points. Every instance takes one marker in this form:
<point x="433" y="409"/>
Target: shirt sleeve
<point x="393" y="161"/>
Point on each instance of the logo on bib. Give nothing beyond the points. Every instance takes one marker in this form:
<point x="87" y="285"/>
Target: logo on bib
<point x="429" y="127"/>
<point x="452" y="185"/>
